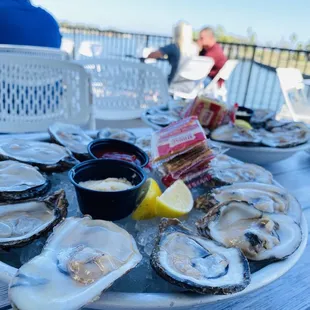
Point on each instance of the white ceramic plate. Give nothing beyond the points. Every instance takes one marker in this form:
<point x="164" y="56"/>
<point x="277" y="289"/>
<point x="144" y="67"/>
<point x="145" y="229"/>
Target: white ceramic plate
<point x="261" y="155"/>
<point x="152" y="301"/>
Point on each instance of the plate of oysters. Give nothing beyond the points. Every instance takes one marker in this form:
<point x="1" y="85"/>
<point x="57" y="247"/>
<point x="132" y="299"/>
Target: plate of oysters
<point x="161" y="116"/>
<point x="267" y="141"/>
<point x="240" y="231"/>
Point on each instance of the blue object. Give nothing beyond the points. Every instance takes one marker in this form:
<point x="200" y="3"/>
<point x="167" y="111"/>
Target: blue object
<point x="207" y="81"/>
<point x="24" y="24"/>
<point x="174" y="55"/>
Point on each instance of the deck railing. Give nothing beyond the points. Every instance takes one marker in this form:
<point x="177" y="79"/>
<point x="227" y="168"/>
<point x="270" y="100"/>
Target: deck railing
<point x="253" y="83"/>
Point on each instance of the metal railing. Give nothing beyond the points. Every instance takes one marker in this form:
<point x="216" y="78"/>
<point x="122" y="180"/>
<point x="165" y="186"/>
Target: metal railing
<point x="253" y="83"/>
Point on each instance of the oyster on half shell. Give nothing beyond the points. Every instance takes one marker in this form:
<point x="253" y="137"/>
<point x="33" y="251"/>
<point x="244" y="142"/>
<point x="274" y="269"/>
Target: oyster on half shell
<point x="82" y="258"/>
<point x="196" y="263"/>
<point x="280" y="136"/>
<point x="24" y="221"/>
<point x="261" y="116"/>
<point x="259" y="235"/>
<point x="20" y="181"/>
<point x="264" y="197"/>
<point x="46" y="156"/>
<point x="226" y="170"/>
<point x="72" y="137"/>
<point x="118" y="134"/>
<point x="235" y="135"/>
<point x="285" y="135"/>
<point x="144" y="143"/>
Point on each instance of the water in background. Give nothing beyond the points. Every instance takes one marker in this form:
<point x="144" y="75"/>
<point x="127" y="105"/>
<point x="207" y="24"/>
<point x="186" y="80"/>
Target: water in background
<point x="256" y="88"/>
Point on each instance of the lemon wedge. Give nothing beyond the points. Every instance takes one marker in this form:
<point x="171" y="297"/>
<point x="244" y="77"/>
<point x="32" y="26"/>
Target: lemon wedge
<point x="243" y="124"/>
<point x="147" y="207"/>
<point x="177" y="200"/>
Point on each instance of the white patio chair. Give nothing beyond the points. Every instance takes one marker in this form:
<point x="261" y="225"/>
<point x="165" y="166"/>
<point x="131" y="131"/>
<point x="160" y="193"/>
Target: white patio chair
<point x="90" y="49"/>
<point x="67" y="45"/>
<point x="44" y="52"/>
<point x="188" y="81"/>
<point x="221" y="91"/>
<point x="123" y="90"/>
<point x="36" y="92"/>
<point x="293" y="90"/>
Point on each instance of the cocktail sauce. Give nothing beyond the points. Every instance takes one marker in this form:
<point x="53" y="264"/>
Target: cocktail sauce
<point x="111" y="154"/>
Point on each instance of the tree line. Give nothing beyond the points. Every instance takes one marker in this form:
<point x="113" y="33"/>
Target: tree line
<point x="251" y="38"/>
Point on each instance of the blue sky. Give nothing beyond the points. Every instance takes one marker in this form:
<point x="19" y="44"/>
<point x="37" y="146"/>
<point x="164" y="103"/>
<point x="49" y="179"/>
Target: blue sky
<point x="270" y="19"/>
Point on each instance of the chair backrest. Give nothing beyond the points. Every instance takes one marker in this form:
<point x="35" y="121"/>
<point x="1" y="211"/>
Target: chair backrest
<point x="220" y="91"/>
<point x="67" y="46"/>
<point x="36" y="51"/>
<point x="195" y="68"/>
<point x="293" y="89"/>
<point x="189" y="78"/>
<point x="123" y="89"/>
<point x="290" y="78"/>
<point x="146" y="52"/>
<point x="36" y="92"/>
<point x="90" y="49"/>
<point x="227" y="69"/>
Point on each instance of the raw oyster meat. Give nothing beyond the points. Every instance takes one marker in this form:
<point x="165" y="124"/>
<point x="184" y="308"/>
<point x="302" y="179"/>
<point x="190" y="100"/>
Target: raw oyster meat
<point x="226" y="170"/>
<point x="196" y="263"/>
<point x="22" y="222"/>
<point x="264" y="197"/>
<point x="46" y="156"/>
<point x="72" y="137"/>
<point x="259" y="235"/>
<point x="118" y="134"/>
<point x="235" y="135"/>
<point x="20" y="181"/>
<point x="82" y="258"/>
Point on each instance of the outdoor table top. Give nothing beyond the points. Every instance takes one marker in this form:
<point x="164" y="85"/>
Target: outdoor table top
<point x="291" y="291"/>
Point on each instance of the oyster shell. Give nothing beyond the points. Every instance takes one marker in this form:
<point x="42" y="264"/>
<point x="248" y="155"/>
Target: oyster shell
<point x="281" y="135"/>
<point x="235" y="135"/>
<point x="144" y="143"/>
<point x="226" y="170"/>
<point x="285" y="135"/>
<point x="260" y="236"/>
<point x="162" y="119"/>
<point x="82" y="258"/>
<point x="261" y="116"/>
<point x="264" y="197"/>
<point x="20" y="181"/>
<point x="24" y="221"/>
<point x="46" y="156"/>
<point x="72" y="137"/>
<point x="118" y="134"/>
<point x="198" y="264"/>
<point x="275" y="124"/>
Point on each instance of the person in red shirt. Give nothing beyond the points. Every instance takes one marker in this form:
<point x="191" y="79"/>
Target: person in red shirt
<point x="211" y="49"/>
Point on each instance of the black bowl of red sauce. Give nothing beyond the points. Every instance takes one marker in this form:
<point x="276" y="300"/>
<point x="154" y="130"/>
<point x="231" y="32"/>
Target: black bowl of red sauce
<point x="118" y="150"/>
